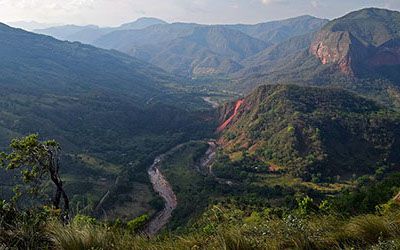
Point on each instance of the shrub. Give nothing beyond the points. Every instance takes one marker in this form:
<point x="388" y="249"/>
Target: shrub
<point x="136" y="224"/>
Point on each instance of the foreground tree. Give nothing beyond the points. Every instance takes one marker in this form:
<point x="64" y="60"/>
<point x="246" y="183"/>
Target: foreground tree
<point x="37" y="161"/>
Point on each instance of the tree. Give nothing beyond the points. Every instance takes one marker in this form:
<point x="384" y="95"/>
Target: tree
<point x="37" y="161"/>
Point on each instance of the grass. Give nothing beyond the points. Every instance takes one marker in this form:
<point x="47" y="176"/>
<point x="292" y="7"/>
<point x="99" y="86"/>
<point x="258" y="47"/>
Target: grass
<point x="218" y="228"/>
<point x="315" y="232"/>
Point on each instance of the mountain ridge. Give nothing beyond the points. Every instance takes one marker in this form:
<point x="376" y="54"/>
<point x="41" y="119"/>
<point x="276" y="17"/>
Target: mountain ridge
<point x="197" y="55"/>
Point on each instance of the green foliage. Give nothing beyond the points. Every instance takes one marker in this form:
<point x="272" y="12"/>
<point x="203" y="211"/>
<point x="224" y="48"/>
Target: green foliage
<point x="23" y="229"/>
<point x="315" y="133"/>
<point x="220" y="228"/>
<point x="136" y="224"/>
<point x="84" y="219"/>
<point x="306" y="205"/>
<point x="38" y="163"/>
<point x="388" y="208"/>
<point x="325" y="206"/>
<point x="366" y="198"/>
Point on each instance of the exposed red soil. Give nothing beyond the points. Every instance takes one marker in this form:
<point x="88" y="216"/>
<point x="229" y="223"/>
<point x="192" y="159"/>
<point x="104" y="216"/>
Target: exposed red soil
<point x="235" y="112"/>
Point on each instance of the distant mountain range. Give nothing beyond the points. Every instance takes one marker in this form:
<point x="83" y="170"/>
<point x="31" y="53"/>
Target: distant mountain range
<point x="90" y="33"/>
<point x="190" y="49"/>
<point x="31" y="25"/>
<point x="358" y="51"/>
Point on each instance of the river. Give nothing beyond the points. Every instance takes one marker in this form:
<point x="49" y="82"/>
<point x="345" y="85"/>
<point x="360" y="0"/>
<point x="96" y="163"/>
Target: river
<point x="164" y="188"/>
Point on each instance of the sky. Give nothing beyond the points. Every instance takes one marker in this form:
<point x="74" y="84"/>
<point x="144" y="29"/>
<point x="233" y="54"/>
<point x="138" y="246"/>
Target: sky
<point x="116" y="12"/>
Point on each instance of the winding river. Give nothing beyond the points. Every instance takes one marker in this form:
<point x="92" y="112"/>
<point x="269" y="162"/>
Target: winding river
<point x="164" y="188"/>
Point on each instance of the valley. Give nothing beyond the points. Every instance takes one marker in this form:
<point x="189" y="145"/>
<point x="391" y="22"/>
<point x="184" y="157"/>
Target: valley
<point x="175" y="135"/>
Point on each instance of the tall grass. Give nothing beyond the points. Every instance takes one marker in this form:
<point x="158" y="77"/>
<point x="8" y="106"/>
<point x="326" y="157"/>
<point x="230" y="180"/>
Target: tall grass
<point x="313" y="232"/>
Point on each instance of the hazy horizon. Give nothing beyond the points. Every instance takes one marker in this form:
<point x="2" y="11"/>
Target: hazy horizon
<point x="114" y="13"/>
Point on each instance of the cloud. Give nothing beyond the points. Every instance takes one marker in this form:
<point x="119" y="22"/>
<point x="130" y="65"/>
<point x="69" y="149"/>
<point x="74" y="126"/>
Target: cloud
<point x="268" y="2"/>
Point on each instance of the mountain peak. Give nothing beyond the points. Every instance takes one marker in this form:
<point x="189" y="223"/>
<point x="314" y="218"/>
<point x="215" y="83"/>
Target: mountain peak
<point x="150" y="19"/>
<point x="370" y="13"/>
<point x="142" y="23"/>
<point x="371" y="26"/>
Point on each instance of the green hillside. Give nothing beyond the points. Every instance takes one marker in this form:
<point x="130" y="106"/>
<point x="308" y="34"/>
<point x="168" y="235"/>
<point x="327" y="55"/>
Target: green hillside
<point x="314" y="131"/>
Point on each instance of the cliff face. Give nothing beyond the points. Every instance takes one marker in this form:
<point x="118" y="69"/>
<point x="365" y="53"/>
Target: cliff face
<point x="360" y="40"/>
<point x="333" y="48"/>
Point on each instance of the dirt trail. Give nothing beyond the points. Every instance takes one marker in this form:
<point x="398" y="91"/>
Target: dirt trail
<point x="228" y="121"/>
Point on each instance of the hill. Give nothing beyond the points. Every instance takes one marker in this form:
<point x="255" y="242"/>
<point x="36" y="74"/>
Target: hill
<point x="312" y="131"/>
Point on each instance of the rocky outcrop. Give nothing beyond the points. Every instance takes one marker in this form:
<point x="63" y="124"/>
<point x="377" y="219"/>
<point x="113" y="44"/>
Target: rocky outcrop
<point x="341" y="49"/>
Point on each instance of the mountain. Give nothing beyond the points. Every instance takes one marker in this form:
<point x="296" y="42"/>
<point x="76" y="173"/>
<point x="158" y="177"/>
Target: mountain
<point x="30" y="25"/>
<point x="361" y="42"/>
<point x="279" y="31"/>
<point x="83" y="34"/>
<point x="358" y="52"/>
<point x="186" y="49"/>
<point x="111" y="113"/>
<point x="281" y="51"/>
<point x="89" y="33"/>
<point x="38" y="62"/>
<point x="311" y="131"/>
<point x="200" y="50"/>
<point x="191" y="49"/>
<point x="141" y="23"/>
